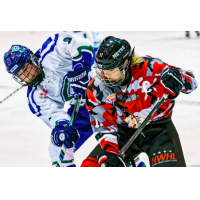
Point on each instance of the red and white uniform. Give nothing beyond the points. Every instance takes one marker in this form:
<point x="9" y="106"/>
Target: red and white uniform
<point x="130" y="106"/>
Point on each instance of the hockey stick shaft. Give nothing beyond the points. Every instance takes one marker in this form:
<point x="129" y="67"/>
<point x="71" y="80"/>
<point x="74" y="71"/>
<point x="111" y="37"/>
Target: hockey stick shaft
<point x="142" y="126"/>
<point x="71" y="123"/>
<point x="11" y="94"/>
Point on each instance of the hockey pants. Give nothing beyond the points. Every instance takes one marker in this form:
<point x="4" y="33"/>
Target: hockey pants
<point x="159" y="141"/>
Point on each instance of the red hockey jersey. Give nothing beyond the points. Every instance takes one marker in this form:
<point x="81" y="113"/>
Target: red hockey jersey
<point x="130" y="106"/>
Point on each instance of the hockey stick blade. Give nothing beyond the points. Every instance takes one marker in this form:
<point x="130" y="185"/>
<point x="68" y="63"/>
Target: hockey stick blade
<point x="139" y="130"/>
<point x="71" y="123"/>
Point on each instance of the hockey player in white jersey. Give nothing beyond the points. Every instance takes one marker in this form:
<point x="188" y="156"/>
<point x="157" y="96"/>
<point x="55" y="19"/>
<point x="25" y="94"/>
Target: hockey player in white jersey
<point x="55" y="74"/>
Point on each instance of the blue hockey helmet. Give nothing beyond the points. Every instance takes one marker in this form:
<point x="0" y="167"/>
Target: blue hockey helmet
<point x="15" y="60"/>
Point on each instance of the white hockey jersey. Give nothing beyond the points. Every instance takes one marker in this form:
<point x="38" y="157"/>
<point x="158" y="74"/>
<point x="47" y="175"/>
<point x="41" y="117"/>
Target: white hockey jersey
<point x="93" y="36"/>
<point x="57" y="56"/>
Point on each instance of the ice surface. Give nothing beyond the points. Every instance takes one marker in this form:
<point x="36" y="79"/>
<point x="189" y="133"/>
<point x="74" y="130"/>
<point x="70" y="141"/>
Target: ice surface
<point x="24" y="138"/>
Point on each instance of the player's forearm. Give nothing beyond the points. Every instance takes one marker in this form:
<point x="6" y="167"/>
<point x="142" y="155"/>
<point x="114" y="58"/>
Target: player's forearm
<point x="51" y="113"/>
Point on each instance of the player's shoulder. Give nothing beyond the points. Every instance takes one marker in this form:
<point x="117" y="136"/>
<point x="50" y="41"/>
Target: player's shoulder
<point x="96" y="84"/>
<point x="99" y="89"/>
<point x="96" y="38"/>
<point x="152" y="59"/>
<point x="71" y="37"/>
<point x="75" y="45"/>
<point x="61" y="41"/>
<point x="152" y="62"/>
<point x="47" y="48"/>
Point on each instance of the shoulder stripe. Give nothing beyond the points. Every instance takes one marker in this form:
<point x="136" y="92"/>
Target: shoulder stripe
<point x="48" y="46"/>
<point x="44" y="46"/>
<point x="61" y="91"/>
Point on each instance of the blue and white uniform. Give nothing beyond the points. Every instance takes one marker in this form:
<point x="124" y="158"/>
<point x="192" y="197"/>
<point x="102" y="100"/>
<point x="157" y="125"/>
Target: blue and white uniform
<point x="94" y="38"/>
<point x="57" y="56"/>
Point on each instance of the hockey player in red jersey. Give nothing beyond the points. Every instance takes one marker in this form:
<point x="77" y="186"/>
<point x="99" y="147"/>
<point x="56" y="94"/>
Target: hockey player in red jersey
<point x="126" y="89"/>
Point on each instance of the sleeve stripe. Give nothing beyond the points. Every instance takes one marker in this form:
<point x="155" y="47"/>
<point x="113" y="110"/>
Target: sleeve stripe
<point x="31" y="102"/>
<point x="44" y="46"/>
<point x="61" y="91"/>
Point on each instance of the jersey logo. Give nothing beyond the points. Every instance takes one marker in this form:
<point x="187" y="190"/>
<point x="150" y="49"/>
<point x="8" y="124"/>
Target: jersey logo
<point x="162" y="157"/>
<point x="49" y="79"/>
<point x="118" y="52"/>
<point x="78" y="78"/>
<point x="43" y="94"/>
<point x="134" y="122"/>
<point x="111" y="98"/>
<point x="68" y="40"/>
<point x="14" y="68"/>
<point x="83" y="49"/>
<point x="15" y="48"/>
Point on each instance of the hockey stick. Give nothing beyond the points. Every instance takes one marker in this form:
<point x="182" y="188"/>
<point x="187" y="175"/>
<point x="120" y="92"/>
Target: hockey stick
<point x="139" y="130"/>
<point x="11" y="94"/>
<point x="71" y="123"/>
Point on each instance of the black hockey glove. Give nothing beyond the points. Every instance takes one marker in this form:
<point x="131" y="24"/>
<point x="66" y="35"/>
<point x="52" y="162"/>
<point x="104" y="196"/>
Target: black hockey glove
<point x="109" y="158"/>
<point x="171" y="82"/>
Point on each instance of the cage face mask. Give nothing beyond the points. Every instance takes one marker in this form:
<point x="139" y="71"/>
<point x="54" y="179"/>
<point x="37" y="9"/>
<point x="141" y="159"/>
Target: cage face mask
<point x="30" y="74"/>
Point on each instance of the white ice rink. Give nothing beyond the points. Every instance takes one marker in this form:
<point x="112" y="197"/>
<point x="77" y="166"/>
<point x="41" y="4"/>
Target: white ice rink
<point x="24" y="138"/>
